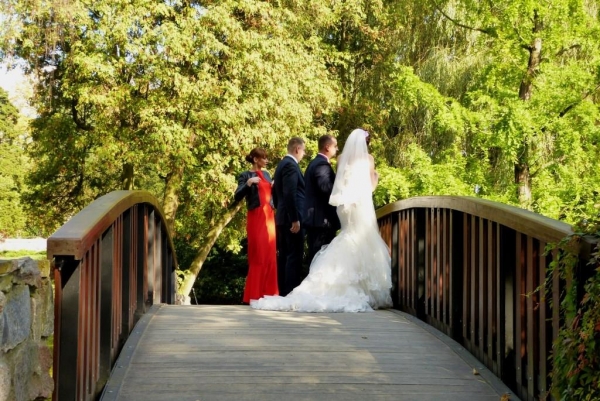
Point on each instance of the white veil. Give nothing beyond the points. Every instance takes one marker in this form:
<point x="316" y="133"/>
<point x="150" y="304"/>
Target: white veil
<point x="353" y="178"/>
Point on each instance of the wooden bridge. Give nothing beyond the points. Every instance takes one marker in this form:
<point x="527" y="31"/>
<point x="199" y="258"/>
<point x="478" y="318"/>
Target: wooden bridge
<point x="467" y="323"/>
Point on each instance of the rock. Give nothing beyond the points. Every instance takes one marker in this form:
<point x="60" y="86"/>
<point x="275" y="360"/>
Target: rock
<point x="16" y="318"/>
<point x="41" y="384"/>
<point x="2" y="303"/>
<point x="44" y="267"/>
<point x="47" y="302"/>
<point x="4" y="380"/>
<point x="8" y="266"/>
<point x="6" y="282"/>
<point x="29" y="273"/>
<point x="22" y="358"/>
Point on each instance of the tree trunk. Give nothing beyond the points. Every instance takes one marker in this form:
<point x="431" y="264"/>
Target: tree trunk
<point x="523" y="181"/>
<point x="209" y="240"/>
<point x="171" y="198"/>
<point x="535" y="57"/>
<point x="522" y="175"/>
<point x="127" y="176"/>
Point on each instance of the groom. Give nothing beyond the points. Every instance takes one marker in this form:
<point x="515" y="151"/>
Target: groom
<point x="288" y="196"/>
<point x="320" y="218"/>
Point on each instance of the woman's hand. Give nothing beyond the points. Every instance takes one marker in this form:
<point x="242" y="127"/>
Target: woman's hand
<point x="253" y="180"/>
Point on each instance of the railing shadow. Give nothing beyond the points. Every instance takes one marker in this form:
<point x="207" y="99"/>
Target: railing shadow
<point x="112" y="261"/>
<point x="470" y="268"/>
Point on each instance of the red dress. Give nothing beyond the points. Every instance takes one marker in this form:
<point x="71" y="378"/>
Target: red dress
<point x="262" y="258"/>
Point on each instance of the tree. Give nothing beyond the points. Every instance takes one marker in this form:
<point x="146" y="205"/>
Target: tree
<point x="175" y="92"/>
<point x="12" y="169"/>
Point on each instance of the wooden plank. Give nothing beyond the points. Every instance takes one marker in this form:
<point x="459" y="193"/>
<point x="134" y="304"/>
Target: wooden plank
<point x="446" y="249"/>
<point x="465" y="275"/>
<point x="473" y="287"/>
<point x="492" y="286"/>
<point x="483" y="295"/>
<point x="438" y="266"/>
<point x="545" y="349"/>
<point x="234" y="352"/>
<point x="500" y="302"/>
<point x="412" y="262"/>
<point x="519" y="311"/>
<point x="428" y="257"/>
<point x="531" y="332"/>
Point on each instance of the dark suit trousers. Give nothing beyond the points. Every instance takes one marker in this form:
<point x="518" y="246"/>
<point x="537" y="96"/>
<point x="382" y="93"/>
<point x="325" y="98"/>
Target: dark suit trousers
<point x="316" y="238"/>
<point x="290" y="253"/>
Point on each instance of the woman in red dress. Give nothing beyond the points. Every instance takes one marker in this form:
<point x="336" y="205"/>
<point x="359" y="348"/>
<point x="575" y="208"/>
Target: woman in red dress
<point x="255" y="185"/>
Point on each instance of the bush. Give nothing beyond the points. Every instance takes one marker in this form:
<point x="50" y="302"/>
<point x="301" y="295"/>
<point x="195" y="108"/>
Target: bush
<point x="576" y="351"/>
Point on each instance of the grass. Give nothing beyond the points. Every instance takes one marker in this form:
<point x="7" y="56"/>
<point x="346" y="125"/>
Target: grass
<point x="40" y="255"/>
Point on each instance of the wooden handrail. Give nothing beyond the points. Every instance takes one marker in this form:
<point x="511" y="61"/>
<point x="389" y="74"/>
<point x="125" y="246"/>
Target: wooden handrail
<point x="82" y="230"/>
<point x="472" y="268"/>
<point x="521" y="220"/>
<point x="112" y="261"/>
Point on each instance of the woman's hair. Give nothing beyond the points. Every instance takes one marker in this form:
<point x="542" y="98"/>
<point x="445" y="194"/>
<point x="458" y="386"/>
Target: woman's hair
<point x="256" y="152"/>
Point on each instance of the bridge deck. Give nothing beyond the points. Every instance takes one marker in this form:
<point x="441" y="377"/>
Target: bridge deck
<point x="203" y="353"/>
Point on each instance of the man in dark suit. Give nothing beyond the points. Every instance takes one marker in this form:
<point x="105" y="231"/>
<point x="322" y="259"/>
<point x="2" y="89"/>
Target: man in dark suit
<point x="320" y="218"/>
<point x="288" y="196"/>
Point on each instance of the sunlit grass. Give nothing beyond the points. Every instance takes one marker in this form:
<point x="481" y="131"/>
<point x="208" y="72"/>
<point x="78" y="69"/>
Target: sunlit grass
<point x="39" y="255"/>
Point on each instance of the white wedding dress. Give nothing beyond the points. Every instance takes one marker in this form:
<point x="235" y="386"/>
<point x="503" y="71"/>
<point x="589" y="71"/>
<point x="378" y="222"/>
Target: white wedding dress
<point x="352" y="273"/>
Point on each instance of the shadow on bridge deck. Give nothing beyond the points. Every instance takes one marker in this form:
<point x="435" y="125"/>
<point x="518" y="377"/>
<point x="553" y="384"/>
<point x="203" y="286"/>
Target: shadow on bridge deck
<point x="236" y="353"/>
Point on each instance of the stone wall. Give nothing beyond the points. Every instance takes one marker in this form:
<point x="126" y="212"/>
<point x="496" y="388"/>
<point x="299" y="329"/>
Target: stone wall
<point x="26" y="326"/>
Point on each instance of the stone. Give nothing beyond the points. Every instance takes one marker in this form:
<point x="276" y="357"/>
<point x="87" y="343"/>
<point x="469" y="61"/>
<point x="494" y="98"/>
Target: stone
<point x="8" y="266"/>
<point x="5" y="380"/>
<point x="2" y="303"/>
<point x="41" y="384"/>
<point x="47" y="299"/>
<point x="29" y="273"/>
<point x="6" y="282"/>
<point x="22" y="359"/>
<point x="44" y="267"/>
<point x="16" y="318"/>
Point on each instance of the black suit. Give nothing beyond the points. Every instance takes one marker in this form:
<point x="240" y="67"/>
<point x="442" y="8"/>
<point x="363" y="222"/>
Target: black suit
<point x="320" y="218"/>
<point x="288" y="193"/>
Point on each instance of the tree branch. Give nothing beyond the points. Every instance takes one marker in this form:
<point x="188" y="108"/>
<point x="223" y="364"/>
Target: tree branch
<point x="80" y="123"/>
<point x="572" y="105"/>
<point x="566" y="49"/>
<point x="487" y="31"/>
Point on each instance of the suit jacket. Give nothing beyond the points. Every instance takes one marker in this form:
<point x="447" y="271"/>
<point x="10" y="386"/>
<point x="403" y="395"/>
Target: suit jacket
<point x="319" y="178"/>
<point x="288" y="192"/>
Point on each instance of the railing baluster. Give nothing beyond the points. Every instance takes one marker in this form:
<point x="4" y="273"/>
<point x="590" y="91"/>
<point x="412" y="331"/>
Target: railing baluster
<point x="543" y="323"/>
<point x="531" y="327"/>
<point x="481" y="305"/>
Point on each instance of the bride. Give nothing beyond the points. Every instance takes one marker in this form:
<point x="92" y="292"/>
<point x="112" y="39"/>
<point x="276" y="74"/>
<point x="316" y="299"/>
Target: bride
<point x="352" y="273"/>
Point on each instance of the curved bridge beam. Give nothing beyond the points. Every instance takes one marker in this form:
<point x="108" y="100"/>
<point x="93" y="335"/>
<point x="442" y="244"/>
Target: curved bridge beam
<point x="472" y="268"/>
<point x="112" y="261"/>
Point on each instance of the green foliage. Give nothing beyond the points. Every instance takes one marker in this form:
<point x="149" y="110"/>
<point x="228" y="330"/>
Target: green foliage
<point x="576" y="356"/>
<point x="223" y="275"/>
<point x="12" y="170"/>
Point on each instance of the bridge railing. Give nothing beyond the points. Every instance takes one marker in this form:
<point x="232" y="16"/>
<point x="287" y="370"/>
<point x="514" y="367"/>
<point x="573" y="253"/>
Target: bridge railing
<point x="470" y="267"/>
<point x="112" y="261"/>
